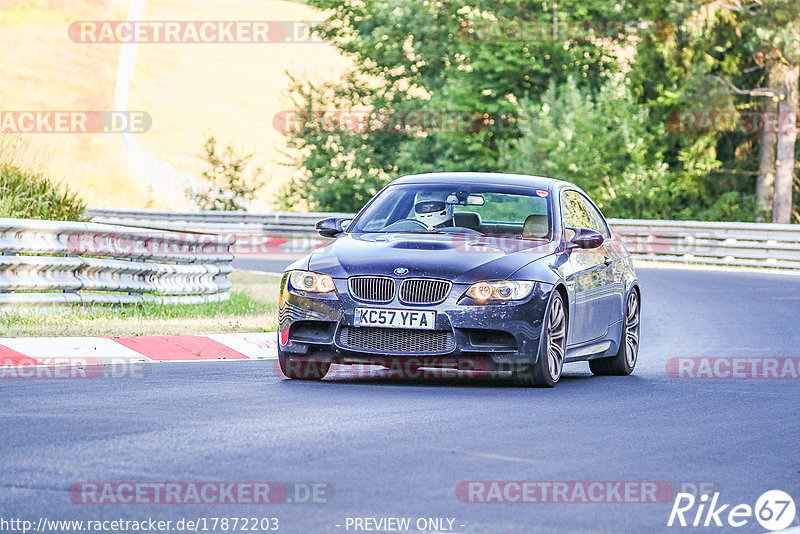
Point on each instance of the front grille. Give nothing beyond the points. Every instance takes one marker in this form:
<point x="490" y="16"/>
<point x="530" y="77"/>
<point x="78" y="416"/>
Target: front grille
<point x="397" y="340"/>
<point x="424" y="291"/>
<point x="372" y="288"/>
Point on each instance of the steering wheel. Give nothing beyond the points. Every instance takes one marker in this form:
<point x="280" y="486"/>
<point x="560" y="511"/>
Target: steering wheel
<point x="422" y="224"/>
<point x="401" y="222"/>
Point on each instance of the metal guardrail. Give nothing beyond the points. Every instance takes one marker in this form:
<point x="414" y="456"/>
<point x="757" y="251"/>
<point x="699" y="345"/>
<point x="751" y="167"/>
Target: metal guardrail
<point x="284" y="224"/>
<point x="720" y="243"/>
<point x="45" y="262"/>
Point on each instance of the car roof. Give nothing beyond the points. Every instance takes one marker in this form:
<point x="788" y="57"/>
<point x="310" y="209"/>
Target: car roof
<point x="493" y="178"/>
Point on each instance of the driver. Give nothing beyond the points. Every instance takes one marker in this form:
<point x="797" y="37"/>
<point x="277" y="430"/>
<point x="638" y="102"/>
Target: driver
<point x="432" y="210"/>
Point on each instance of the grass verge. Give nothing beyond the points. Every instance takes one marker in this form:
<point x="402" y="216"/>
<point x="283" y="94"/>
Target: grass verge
<point x="251" y="308"/>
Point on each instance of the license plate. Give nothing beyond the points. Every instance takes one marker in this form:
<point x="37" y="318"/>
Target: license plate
<point x="381" y="317"/>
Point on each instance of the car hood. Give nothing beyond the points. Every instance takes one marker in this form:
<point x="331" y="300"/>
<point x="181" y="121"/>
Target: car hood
<point x="458" y="257"/>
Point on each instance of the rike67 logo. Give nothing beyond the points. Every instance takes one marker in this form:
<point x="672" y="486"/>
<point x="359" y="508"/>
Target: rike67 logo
<point x="774" y="510"/>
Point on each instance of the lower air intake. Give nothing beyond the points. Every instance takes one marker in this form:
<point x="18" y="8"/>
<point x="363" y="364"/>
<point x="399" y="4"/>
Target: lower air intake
<point x="397" y="340"/>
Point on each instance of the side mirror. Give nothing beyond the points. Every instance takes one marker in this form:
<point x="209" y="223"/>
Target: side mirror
<point x="331" y="227"/>
<point x="586" y="238"/>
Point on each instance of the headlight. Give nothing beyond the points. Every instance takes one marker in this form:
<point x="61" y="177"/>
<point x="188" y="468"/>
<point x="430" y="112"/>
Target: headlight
<point x="503" y="290"/>
<point x="311" y="282"/>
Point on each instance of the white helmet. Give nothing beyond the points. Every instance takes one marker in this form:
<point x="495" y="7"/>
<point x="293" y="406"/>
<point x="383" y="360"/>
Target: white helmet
<point x="431" y="208"/>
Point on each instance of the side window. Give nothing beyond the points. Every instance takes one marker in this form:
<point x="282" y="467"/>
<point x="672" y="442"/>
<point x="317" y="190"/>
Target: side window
<point x="573" y="211"/>
<point x="596" y="218"/>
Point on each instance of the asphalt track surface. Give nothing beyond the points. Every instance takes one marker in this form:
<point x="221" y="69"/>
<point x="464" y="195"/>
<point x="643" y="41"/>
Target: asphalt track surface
<point x="401" y="447"/>
<point x="264" y="264"/>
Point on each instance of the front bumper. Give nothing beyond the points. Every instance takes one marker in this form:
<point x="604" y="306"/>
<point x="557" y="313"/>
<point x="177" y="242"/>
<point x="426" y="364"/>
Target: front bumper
<point x="321" y="326"/>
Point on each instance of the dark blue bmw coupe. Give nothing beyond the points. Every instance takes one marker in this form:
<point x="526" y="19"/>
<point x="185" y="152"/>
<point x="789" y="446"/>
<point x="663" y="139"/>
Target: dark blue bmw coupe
<point x="520" y="273"/>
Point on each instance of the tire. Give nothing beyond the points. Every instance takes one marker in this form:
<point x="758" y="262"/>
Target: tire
<point x="552" y="348"/>
<point x="303" y="369"/>
<point x="623" y="362"/>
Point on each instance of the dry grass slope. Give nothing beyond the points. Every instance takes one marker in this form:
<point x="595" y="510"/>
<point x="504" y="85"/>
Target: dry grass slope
<point x="190" y="90"/>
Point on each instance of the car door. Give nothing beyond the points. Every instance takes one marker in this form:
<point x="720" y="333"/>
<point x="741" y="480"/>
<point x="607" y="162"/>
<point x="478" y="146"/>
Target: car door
<point x="613" y="286"/>
<point x="585" y="272"/>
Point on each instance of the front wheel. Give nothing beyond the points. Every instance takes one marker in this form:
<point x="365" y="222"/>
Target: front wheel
<point x="547" y="369"/>
<point x="625" y="360"/>
<point x="303" y="369"/>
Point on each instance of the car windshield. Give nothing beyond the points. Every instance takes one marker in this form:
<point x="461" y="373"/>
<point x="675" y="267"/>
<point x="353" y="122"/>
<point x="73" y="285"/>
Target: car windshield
<point x="454" y="208"/>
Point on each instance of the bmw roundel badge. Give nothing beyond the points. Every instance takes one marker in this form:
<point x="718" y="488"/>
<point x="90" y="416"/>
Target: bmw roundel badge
<point x="400" y="271"/>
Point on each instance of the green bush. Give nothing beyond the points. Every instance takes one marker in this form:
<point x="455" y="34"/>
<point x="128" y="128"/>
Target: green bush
<point x="607" y="144"/>
<point x="229" y="185"/>
<point x="599" y="140"/>
<point x="28" y="195"/>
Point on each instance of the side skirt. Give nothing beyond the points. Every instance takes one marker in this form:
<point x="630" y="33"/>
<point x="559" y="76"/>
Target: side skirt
<point x="587" y="351"/>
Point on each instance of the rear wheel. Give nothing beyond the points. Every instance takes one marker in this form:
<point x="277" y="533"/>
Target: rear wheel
<point x="625" y="360"/>
<point x="547" y="369"/>
<point x="303" y="369"/>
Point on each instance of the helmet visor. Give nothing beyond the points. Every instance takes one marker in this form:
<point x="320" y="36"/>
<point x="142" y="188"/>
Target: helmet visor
<point x="429" y="206"/>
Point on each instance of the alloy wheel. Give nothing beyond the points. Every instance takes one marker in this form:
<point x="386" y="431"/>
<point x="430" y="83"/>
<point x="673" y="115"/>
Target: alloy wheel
<point x="556" y="338"/>
<point x="632" y="328"/>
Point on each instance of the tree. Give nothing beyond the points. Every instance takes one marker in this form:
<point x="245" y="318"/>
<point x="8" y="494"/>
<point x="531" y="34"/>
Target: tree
<point x="748" y="44"/>
<point x="451" y="56"/>
<point x="230" y="184"/>
<point x="712" y="171"/>
<point x="601" y="142"/>
<point x="339" y="168"/>
<point x="773" y="28"/>
<point x="434" y="58"/>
